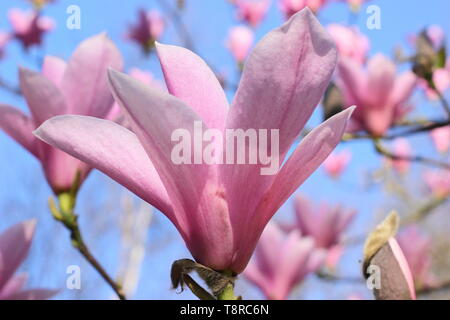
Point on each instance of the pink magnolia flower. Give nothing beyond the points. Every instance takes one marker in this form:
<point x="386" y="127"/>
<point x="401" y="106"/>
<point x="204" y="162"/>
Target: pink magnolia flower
<point x="147" y="30"/>
<point x="417" y="249"/>
<point x="252" y="11"/>
<point x="29" y="27"/>
<point x="240" y="41"/>
<point x="282" y="261"/>
<point x="291" y="7"/>
<point x="379" y="93"/>
<point x="441" y="139"/>
<point x="336" y="163"/>
<point x="219" y="220"/>
<point x="325" y="225"/>
<point x="401" y="148"/>
<point x="15" y="243"/>
<point x="350" y="42"/>
<point x="438" y="181"/>
<point x="4" y="39"/>
<point x="78" y="87"/>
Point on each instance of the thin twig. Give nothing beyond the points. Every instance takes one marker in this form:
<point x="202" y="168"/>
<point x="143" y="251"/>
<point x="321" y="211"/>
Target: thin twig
<point x="332" y="277"/>
<point x="423" y="211"/>
<point x="69" y="219"/>
<point x="383" y="151"/>
<point x="441" y="97"/>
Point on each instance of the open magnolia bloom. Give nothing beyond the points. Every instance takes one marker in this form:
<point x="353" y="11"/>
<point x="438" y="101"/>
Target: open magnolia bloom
<point x="75" y="87"/>
<point x="14" y="246"/>
<point x="380" y="94"/>
<point x="325" y="224"/>
<point x="219" y="209"/>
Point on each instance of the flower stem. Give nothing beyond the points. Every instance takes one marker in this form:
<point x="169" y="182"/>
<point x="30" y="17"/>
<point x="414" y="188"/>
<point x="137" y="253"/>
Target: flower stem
<point x="69" y="219"/>
<point x="227" y="293"/>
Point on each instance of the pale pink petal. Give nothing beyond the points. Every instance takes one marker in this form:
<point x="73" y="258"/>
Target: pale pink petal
<point x="19" y="127"/>
<point x="403" y="88"/>
<point x="85" y="83"/>
<point x="441" y="139"/>
<point x="20" y="20"/>
<point x="13" y="286"/>
<point x="34" y="294"/>
<point x="381" y="80"/>
<point x="53" y="69"/>
<point x="43" y="97"/>
<point x="15" y="243"/>
<point x="307" y="157"/>
<point x="240" y="41"/>
<point x="193" y="188"/>
<point x="353" y="81"/>
<point x="191" y="80"/>
<point x="286" y="74"/>
<point x="110" y="148"/>
<point x="398" y="253"/>
<point x="310" y="154"/>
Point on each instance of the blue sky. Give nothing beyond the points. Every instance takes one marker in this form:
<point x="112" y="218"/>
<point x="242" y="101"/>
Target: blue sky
<point x="24" y="193"/>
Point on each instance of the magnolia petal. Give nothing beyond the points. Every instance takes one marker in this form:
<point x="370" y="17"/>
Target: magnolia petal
<point x="85" y="83"/>
<point x="13" y="286"/>
<point x="110" y="148"/>
<point x="403" y="88"/>
<point x="43" y="97"/>
<point x="34" y="294"/>
<point x="307" y="157"/>
<point x="155" y="115"/>
<point x="53" y="69"/>
<point x="282" y="83"/>
<point x="352" y="80"/>
<point x="381" y="80"/>
<point x="15" y="243"/>
<point x="19" y="127"/>
<point x="396" y="279"/>
<point x="192" y="81"/>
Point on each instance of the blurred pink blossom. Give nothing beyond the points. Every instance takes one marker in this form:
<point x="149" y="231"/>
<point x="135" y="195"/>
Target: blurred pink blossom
<point x="252" y="12"/>
<point x="380" y="94"/>
<point x="441" y="139"/>
<point x="15" y="243"/>
<point x="416" y="247"/>
<point x="147" y="30"/>
<point x="336" y="163"/>
<point x="29" y="27"/>
<point x="282" y="261"/>
<point x="437" y="36"/>
<point x="325" y="224"/>
<point x="290" y="7"/>
<point x="401" y="148"/>
<point x="438" y="181"/>
<point x="350" y="42"/>
<point x="77" y="87"/>
<point x="240" y="41"/>
<point x="441" y="79"/>
<point x="206" y="202"/>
